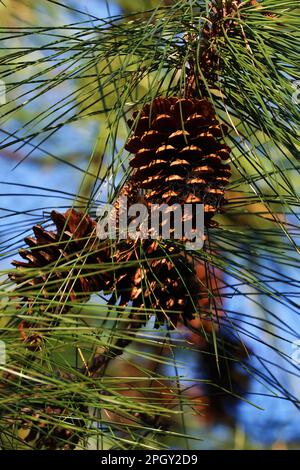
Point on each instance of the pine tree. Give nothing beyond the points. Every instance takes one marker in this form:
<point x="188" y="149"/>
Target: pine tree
<point x="201" y="94"/>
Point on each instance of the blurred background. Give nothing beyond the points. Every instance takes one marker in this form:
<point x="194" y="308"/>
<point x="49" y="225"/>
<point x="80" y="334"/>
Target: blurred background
<point x="47" y="171"/>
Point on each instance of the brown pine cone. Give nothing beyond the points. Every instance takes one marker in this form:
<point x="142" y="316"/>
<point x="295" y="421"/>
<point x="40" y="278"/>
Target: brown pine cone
<point x="44" y="427"/>
<point x="50" y="253"/>
<point x="60" y="267"/>
<point x="178" y="154"/>
<point x="170" y="284"/>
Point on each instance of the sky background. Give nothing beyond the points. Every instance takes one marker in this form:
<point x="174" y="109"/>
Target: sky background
<point x="278" y="420"/>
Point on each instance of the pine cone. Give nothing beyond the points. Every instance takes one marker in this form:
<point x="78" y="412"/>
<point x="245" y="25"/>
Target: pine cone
<point x="178" y="159"/>
<point x="178" y="154"/>
<point x="65" y="265"/>
<point x="61" y="266"/>
<point x="161" y="281"/>
<point x="44" y="427"/>
<point x="75" y="238"/>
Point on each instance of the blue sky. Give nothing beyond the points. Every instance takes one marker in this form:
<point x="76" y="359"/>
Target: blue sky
<point x="279" y="420"/>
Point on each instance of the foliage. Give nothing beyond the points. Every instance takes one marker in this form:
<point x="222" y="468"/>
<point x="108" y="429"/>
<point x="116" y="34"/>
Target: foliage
<point x="96" y="70"/>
